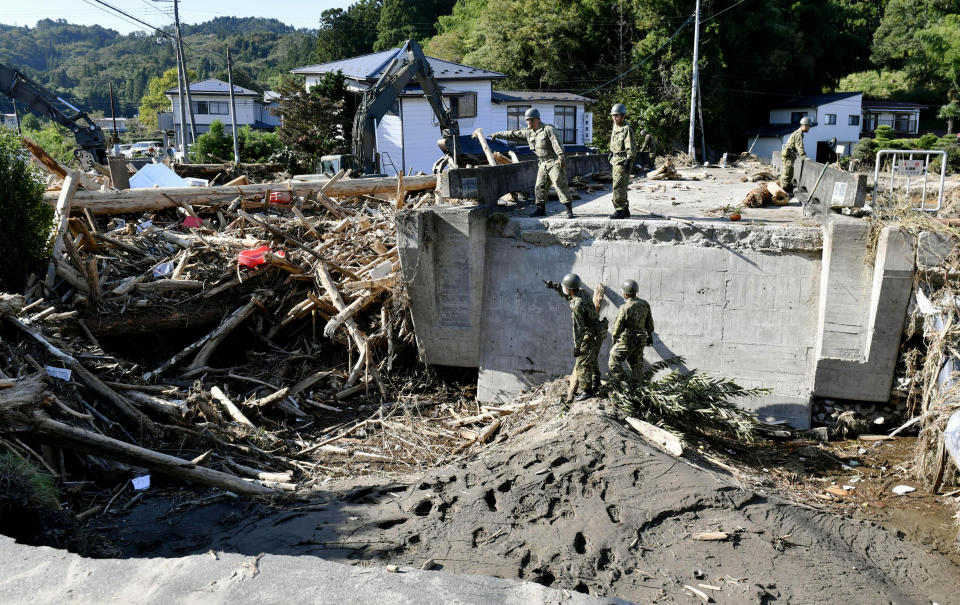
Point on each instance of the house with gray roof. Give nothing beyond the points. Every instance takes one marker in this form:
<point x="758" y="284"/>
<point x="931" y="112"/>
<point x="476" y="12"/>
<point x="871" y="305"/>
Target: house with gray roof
<point x="407" y="136"/>
<point x="834" y="115"/>
<point x="211" y="101"/>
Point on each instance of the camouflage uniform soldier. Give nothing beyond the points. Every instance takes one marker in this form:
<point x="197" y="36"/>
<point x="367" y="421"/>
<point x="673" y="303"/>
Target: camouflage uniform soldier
<point x="589" y="332"/>
<point x="621" y="157"/>
<point x="632" y="330"/>
<point x="791" y="152"/>
<point x="544" y="142"/>
<point x="648" y="144"/>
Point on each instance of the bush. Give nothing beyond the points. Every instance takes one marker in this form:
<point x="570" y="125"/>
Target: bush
<point x="927" y="141"/>
<point x="883" y="133"/>
<point x="25" y="220"/>
<point x="256" y="146"/>
<point x="213" y="145"/>
<point x="865" y="152"/>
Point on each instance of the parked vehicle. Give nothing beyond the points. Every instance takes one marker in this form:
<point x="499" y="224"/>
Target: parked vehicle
<point x="143" y="148"/>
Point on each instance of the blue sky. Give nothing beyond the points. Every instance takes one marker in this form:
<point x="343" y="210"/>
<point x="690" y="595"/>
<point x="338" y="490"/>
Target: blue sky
<point x="298" y="13"/>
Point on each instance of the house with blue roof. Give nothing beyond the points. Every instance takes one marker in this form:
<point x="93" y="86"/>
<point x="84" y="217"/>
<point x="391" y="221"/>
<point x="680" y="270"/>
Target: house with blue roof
<point x="407" y="136"/>
<point x="211" y="101"/>
<point x="834" y="115"/>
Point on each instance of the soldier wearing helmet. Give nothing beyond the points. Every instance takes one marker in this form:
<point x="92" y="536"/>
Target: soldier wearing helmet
<point x="621" y="159"/>
<point x="632" y="330"/>
<point x="792" y="152"/>
<point x="589" y="332"/>
<point x="648" y="144"/>
<point x="545" y="143"/>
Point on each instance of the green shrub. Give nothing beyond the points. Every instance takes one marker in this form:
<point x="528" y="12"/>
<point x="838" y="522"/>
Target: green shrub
<point x="883" y="133"/>
<point x="256" y="146"/>
<point x="213" y="145"/>
<point x="927" y="141"/>
<point x="865" y="152"/>
<point x="25" y="220"/>
<point x="23" y="484"/>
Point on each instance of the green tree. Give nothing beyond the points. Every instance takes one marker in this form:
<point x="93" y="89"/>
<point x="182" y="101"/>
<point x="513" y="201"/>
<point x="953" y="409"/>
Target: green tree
<point x="949" y="112"/>
<point x="256" y="146"/>
<point x="30" y="122"/>
<point x="213" y="146"/>
<point x="25" y="220"/>
<point x="347" y="33"/>
<point x="156" y="100"/>
<point x="401" y="20"/>
<point x="314" y="122"/>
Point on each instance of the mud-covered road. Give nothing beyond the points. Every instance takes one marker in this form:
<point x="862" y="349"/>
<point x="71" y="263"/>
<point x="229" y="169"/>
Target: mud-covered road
<point x="579" y="502"/>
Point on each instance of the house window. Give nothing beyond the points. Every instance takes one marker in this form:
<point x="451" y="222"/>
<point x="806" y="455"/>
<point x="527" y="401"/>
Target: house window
<point x="211" y="107"/>
<point x="463" y="105"/>
<point x="515" y="116"/>
<point x="853" y="120"/>
<point x="796" y="116"/>
<point x="831" y="118"/>
<point x="566" y="123"/>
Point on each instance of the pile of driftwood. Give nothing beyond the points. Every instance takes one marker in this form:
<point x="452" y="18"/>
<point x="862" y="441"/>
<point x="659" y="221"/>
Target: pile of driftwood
<point x="666" y="172"/>
<point x="295" y="357"/>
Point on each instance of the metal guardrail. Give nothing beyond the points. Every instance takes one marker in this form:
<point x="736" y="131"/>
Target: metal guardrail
<point x="910" y="172"/>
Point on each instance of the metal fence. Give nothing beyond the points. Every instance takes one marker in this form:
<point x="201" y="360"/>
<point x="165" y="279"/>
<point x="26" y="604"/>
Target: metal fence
<point x="909" y="174"/>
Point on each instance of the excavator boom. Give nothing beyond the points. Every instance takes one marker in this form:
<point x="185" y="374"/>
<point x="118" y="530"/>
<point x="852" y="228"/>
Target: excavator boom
<point x="35" y="97"/>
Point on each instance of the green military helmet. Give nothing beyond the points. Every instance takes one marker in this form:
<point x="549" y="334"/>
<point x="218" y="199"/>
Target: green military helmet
<point x="804" y="121"/>
<point x="630" y="287"/>
<point x="571" y="281"/>
<point x="643" y="132"/>
<point x="532" y="113"/>
<point x="618" y="108"/>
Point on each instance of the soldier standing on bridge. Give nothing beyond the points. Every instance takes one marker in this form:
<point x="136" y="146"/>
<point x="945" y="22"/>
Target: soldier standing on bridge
<point x="792" y="152"/>
<point x="632" y="331"/>
<point x="621" y="159"/>
<point x="589" y="332"/>
<point x="544" y="142"/>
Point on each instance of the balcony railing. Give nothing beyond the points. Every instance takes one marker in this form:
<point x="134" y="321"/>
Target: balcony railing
<point x="903" y="125"/>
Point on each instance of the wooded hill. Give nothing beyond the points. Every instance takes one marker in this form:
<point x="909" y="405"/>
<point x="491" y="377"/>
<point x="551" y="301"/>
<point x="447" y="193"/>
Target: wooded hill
<point x="79" y="62"/>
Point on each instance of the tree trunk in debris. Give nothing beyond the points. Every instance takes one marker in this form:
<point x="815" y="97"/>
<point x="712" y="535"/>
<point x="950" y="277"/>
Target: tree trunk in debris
<point x="93" y="443"/>
<point x="142" y="200"/>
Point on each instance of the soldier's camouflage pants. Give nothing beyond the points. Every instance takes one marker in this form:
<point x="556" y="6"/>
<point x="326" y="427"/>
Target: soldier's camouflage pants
<point x="549" y="172"/>
<point x="587" y="367"/>
<point x="624" y="352"/>
<point x="621" y="178"/>
<point x="786" y="173"/>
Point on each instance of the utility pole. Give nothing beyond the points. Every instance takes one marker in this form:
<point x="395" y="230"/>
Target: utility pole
<point x="233" y="109"/>
<point x="695" y="82"/>
<point x="186" y="76"/>
<point x="113" y="115"/>
<point x="181" y="96"/>
<point x="16" y="117"/>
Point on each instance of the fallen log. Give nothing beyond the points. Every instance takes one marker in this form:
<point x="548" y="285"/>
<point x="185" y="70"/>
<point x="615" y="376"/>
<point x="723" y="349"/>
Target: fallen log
<point x="213" y="339"/>
<point x="231" y="407"/>
<point x="63" y="435"/>
<point x="143" y="200"/>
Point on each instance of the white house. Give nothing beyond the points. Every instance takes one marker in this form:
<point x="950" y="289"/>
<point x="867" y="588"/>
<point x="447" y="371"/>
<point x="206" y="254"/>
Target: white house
<point x="834" y="115"/>
<point x="8" y="120"/>
<point x="903" y="117"/>
<point x="106" y="124"/>
<point x="211" y="101"/>
<point x="407" y="136"/>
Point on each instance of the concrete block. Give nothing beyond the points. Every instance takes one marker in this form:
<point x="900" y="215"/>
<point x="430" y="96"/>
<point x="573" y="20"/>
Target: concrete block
<point x="934" y="248"/>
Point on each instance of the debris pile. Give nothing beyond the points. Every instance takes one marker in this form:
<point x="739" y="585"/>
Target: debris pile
<point x="766" y="193"/>
<point x="287" y="353"/>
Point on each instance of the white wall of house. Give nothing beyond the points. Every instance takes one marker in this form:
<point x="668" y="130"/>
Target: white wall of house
<point x="409" y="141"/>
<point x="765" y="147"/>
<point x="246" y="111"/>
<point x="843" y="112"/>
<point x="904" y="121"/>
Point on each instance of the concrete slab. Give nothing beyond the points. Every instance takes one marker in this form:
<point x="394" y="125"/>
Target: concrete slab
<point x="45" y="575"/>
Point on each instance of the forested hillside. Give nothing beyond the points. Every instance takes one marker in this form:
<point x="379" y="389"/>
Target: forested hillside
<point x="80" y="62"/>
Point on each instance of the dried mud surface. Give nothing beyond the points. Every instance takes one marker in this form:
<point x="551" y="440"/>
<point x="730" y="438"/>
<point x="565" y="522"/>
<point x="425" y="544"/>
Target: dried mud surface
<point x="579" y="502"/>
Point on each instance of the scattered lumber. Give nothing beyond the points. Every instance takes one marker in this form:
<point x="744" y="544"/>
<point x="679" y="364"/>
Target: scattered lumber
<point x="667" y="172"/>
<point x="665" y="440"/>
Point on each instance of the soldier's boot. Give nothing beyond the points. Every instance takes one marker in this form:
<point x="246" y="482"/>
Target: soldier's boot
<point x="569" y="210"/>
<point x="540" y="210"/>
<point x="620" y="214"/>
<point x="591" y="392"/>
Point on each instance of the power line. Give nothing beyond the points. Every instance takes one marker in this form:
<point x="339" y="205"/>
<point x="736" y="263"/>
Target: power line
<point x="644" y="60"/>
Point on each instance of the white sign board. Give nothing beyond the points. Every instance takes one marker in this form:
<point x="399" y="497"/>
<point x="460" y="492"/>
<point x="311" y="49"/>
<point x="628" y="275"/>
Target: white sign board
<point x="839" y="194"/>
<point x="910" y="167"/>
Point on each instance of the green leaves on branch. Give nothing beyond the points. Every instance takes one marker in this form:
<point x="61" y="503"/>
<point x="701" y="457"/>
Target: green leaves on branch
<point x="25" y="220"/>
<point x="315" y="123"/>
<point x="684" y="401"/>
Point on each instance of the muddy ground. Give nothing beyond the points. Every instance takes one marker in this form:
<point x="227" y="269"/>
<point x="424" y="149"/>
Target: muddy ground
<point x="578" y="502"/>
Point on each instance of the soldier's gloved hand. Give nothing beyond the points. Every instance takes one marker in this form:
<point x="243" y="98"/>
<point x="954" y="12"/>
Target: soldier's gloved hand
<point x="550" y="284"/>
<point x="576" y="351"/>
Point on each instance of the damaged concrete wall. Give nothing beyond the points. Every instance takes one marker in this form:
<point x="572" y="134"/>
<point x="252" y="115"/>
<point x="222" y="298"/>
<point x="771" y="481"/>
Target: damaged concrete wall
<point x="781" y="307"/>
<point x="732" y="300"/>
